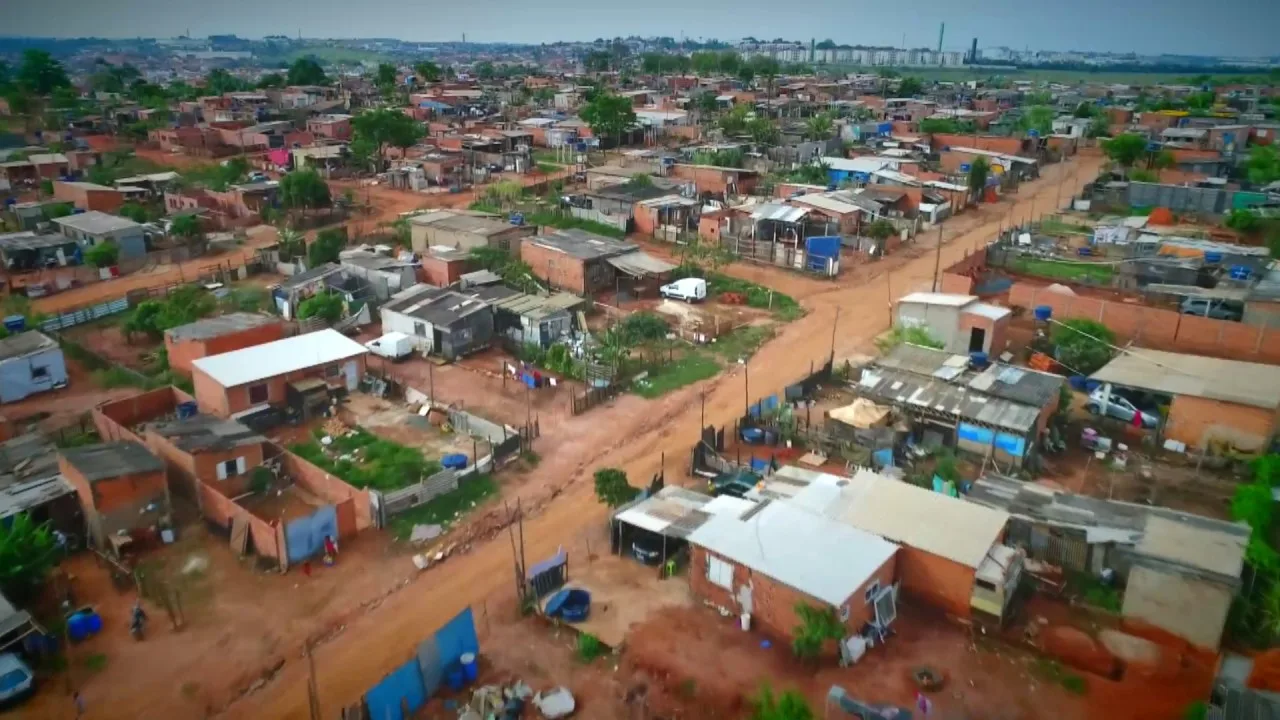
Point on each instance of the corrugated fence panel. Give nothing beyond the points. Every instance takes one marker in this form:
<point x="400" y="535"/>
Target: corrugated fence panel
<point x="79" y="317"/>
<point x="402" y="688"/>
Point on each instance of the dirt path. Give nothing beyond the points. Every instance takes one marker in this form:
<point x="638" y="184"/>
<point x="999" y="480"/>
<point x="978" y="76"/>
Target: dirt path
<point x="375" y="643"/>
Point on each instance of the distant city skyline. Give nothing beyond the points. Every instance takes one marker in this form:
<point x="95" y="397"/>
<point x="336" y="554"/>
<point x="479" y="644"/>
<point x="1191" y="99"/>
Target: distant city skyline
<point x="1235" y="28"/>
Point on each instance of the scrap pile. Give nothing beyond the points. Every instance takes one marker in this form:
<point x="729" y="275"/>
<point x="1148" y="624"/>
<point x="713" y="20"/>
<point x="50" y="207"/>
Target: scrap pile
<point x="495" y="702"/>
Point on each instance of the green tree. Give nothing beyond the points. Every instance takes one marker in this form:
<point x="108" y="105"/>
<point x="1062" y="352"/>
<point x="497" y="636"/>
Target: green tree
<point x="790" y="705"/>
<point x="1163" y="160"/>
<point x="1125" y="149"/>
<point x="910" y="86"/>
<point x="612" y="487"/>
<point x="979" y="171"/>
<point x="763" y="131"/>
<point x="880" y="230"/>
<point x="307" y="71"/>
<point x="1085" y="110"/>
<point x="270" y="80"/>
<point x="817" y="626"/>
<point x="735" y="121"/>
<point x="326" y="247"/>
<point x="1242" y="220"/>
<point x="1263" y="166"/>
<point x="40" y="74"/>
<point x="428" y="71"/>
<point x="376" y="130"/>
<point x="186" y="227"/>
<point x="220" y="82"/>
<point x="814" y="173"/>
<point x="819" y="127"/>
<point x="291" y="244"/>
<point x="705" y="63"/>
<point x="385" y="77"/>
<point x="936" y="126"/>
<point x="1083" y="345"/>
<point x="182" y="306"/>
<point x="28" y="552"/>
<point x="485" y="70"/>
<point x="768" y="69"/>
<point x="53" y="212"/>
<point x="134" y="212"/>
<point x="104" y="254"/>
<point x="609" y="115"/>
<point x="328" y="306"/>
<point x="1100" y="127"/>
<point x="304" y="190"/>
<point x="1038" y="118"/>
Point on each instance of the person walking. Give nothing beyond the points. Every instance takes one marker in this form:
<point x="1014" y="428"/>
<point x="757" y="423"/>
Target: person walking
<point x="79" y="703"/>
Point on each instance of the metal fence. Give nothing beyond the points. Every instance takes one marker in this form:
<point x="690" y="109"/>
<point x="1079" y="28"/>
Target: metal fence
<point x="430" y="488"/>
<point x="592" y="397"/>
<point x="61" y="321"/>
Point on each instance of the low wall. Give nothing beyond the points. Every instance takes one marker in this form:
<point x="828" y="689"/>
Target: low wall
<point x="959" y="278"/>
<point x="327" y="487"/>
<point x="1158" y="328"/>
<point x="113" y="419"/>
<point x="268" y="538"/>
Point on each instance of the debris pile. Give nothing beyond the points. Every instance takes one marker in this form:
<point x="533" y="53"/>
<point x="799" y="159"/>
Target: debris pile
<point x="494" y="701"/>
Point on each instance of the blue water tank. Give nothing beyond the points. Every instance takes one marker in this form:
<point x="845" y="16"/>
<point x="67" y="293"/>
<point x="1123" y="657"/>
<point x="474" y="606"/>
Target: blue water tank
<point x="1043" y="313"/>
<point x="187" y="409"/>
<point x="15" y="323"/>
<point x="1240" y="272"/>
<point x="454" y="461"/>
<point x="517" y="218"/>
<point x="979" y="359"/>
<point x="1211" y="256"/>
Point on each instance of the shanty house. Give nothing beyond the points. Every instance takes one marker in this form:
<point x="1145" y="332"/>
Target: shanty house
<point x="88" y="196"/>
<point x="464" y="230"/>
<point x="93" y="227"/>
<point x="385" y="275"/>
<point x="1209" y="399"/>
<point x="30" y="363"/>
<point x="961" y="322"/>
<point x="540" y="320"/>
<point x="584" y="263"/>
<point x="30" y="482"/>
<point x="764" y="561"/>
<point x="207" y="449"/>
<point x="216" y="335"/>
<point x="122" y="489"/>
<point x="442" y="322"/>
<point x="240" y="383"/>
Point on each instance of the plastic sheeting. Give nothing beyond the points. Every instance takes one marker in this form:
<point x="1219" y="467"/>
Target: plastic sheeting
<point x="305" y="536"/>
<point x="402" y="687"/>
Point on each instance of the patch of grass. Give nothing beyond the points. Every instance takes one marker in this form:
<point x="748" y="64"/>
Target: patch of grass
<point x="568" y="222"/>
<point x="442" y="510"/>
<point x="548" y="157"/>
<point x="531" y="458"/>
<point x="481" y="206"/>
<point x="1057" y="227"/>
<point x="743" y="342"/>
<point x="96" y="662"/>
<point x="1075" y="684"/>
<point x="1052" y="671"/>
<point x="590" y="647"/>
<point x="783" y="306"/>
<point x="1086" y="272"/>
<point x="549" y="168"/>
<point x="368" y="461"/>
<point x="1094" y="592"/>
<point x="691" y="368"/>
<point x="688" y="688"/>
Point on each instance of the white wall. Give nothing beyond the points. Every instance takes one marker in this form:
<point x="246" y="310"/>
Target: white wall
<point x="397" y="322"/>
<point x="1188" y="607"/>
<point x="941" y="320"/>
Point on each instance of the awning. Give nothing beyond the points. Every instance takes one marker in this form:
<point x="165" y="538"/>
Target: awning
<point x="641" y="264"/>
<point x="780" y="213"/>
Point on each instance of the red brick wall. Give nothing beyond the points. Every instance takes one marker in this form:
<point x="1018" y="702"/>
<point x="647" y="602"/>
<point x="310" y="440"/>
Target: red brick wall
<point x="561" y="270"/>
<point x="995" y="143"/>
<point x="107" y="201"/>
<point x="187" y="469"/>
<point x="440" y="273"/>
<point x="107" y="495"/>
<point x="112" y="420"/>
<point x="646" y="219"/>
<point x="267" y="537"/>
<point x="936" y="580"/>
<point x="773" y="602"/>
<point x="224" y="402"/>
<point x="330" y="489"/>
<point x="1197" y="421"/>
<point x="1158" y="328"/>
<point x="958" y="278"/>
<point x="183" y="352"/>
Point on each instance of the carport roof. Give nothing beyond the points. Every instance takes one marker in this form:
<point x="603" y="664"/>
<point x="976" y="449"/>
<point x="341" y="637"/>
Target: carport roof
<point x="640" y="264"/>
<point x="1230" y="381"/>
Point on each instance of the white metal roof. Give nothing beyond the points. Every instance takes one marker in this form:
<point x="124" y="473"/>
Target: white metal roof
<point x="779" y="213"/>
<point x="931" y="298"/>
<point x="826" y="202"/>
<point x="866" y="165"/>
<point x="278" y="358"/>
<point x="987" y="310"/>
<point x="821" y="558"/>
<point x="1230" y="381"/>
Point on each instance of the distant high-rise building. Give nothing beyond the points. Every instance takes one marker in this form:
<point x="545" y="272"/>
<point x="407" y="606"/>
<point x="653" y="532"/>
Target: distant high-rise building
<point x="973" y="52"/>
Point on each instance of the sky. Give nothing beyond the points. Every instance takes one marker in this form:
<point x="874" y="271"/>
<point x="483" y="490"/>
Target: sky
<point x="1221" y="27"/>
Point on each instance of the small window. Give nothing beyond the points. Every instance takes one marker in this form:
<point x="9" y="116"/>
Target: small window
<point x="258" y="393"/>
<point x="333" y="371"/>
<point x="39" y="373"/>
<point x="420" y="329"/>
<point x="719" y="572"/>
<point x="986" y="585"/>
<point x="231" y="468"/>
<point x="872" y="590"/>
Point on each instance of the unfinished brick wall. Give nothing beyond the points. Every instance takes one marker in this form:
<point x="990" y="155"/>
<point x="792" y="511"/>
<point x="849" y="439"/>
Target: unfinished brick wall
<point x="267" y="537"/>
<point x="935" y="580"/>
<point x="183" y="352"/>
<point x="112" y="420"/>
<point x="958" y="278"/>
<point x="1158" y="328"/>
<point x="1198" y="421"/>
<point x="327" y="487"/>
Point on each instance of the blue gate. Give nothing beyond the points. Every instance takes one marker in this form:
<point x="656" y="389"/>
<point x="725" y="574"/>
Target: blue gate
<point x="305" y="536"/>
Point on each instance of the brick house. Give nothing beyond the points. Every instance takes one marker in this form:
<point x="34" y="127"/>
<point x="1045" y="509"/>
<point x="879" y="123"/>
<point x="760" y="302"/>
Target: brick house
<point x="88" y="196"/>
<point x="254" y="378"/>
<point x="122" y="488"/>
<point x="333" y="127"/>
<point x="206" y="449"/>
<point x="810" y="559"/>
<point x="217" y="335"/>
<point x="441" y="266"/>
<point x="584" y="263"/>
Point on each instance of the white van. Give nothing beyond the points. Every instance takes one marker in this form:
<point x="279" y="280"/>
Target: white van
<point x="393" y="346"/>
<point x="688" y="289"/>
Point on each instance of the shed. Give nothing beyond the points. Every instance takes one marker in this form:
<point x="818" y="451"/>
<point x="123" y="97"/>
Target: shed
<point x="94" y="227"/>
<point x="465" y="230"/>
<point x="540" y="320"/>
<point x="443" y="322"/>
<point x="31" y="483"/>
<point x="213" y="336"/>
<point x="30" y="363"/>
<point x="962" y="323"/>
<point x="122" y="489"/>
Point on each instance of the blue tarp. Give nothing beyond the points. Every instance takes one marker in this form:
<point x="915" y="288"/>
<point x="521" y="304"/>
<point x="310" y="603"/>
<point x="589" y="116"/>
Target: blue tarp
<point x="1011" y="444"/>
<point x="765" y="405"/>
<point x="305" y="536"/>
<point x="975" y="434"/>
<point x="403" y="684"/>
<point x="457" y="638"/>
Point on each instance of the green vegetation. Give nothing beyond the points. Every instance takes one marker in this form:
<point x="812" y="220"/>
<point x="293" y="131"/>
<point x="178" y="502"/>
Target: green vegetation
<point x="1197" y="710"/>
<point x="1055" y="226"/>
<point x="589" y="647"/>
<point x="1083" y="345"/>
<point x="104" y="254"/>
<point x="375" y="462"/>
<point x="817" y="626"/>
<point x="373" y="131"/>
<point x="445" y="509"/>
<point x="1263" y="165"/>
<point x="608" y="115"/>
<point x="304" y="190"/>
<point x="513" y="271"/>
<point x="1094" y="592"/>
<point x="742" y="342"/>
<point x="97" y="662"/>
<point x="1082" y="272"/>
<point x="565" y="221"/>
<point x="326" y="306"/>
<point x="117" y="165"/>
<point x="790" y="705"/>
<point x="548" y="168"/>
<point x="1125" y="149"/>
<point x="27" y="553"/>
<point x="911" y="334"/>
<point x="306" y="71"/>
<point x="182" y="306"/>
<point x="217" y="177"/>
<point x="1052" y="671"/>
<point x="979" y="171"/>
<point x="612" y="487"/>
<point x="327" y="246"/>
<point x="691" y="367"/>
<point x="783" y="306"/>
<point x="1254" y="620"/>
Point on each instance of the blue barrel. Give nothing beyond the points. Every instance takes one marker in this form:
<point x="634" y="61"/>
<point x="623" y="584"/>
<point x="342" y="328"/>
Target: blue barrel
<point x="187" y="409"/>
<point x="979" y="359"/>
<point x="470" y="668"/>
<point x="752" y="435"/>
<point x="1043" y="313"/>
<point x="454" y="461"/>
<point x="15" y="323"/>
<point x="1212" y="256"/>
<point x="455" y="677"/>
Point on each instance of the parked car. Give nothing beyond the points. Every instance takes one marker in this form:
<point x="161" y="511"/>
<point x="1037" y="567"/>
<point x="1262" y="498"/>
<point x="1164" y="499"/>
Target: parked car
<point x="647" y="549"/>
<point x="17" y="682"/>
<point x="1120" y="408"/>
<point x="1212" y="308"/>
<point x="688" y="289"/>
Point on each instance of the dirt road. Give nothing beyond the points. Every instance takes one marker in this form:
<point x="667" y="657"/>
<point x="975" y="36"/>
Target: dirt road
<point x="375" y="643"/>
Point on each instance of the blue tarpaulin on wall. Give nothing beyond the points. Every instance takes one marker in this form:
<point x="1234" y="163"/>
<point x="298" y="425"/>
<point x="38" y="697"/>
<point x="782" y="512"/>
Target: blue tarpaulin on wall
<point x="305" y="536"/>
<point x="403" y="685"/>
<point x="974" y="434"/>
<point x="765" y="405"/>
<point x="1011" y="444"/>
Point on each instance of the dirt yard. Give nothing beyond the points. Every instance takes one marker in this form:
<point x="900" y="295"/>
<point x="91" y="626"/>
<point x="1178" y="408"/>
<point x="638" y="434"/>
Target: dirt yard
<point x="624" y="594"/>
<point x="51" y="411"/>
<point x="392" y="420"/>
<point x="109" y="340"/>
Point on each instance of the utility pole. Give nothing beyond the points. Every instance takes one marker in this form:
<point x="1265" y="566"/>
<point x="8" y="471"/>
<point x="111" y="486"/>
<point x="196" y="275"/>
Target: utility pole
<point x="746" y="386"/>
<point x="834" y="323"/>
<point x="431" y="380"/>
<point x="937" y="259"/>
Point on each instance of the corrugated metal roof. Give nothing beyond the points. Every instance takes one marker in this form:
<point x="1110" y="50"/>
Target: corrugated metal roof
<point x="1231" y="381"/>
<point x="937" y="395"/>
<point x="278" y="358"/>
<point x="778" y="212"/>
<point x="640" y="264"/>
